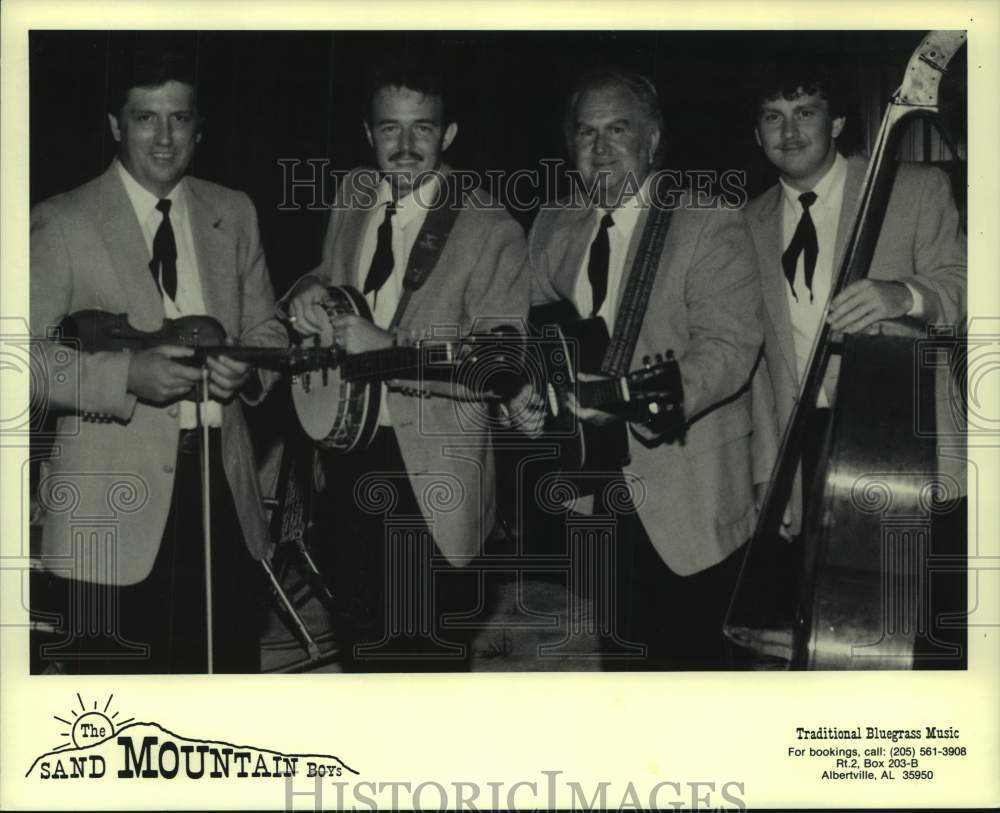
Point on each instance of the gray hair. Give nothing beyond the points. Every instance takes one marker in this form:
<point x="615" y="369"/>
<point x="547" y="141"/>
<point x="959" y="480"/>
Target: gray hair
<point x="638" y="85"/>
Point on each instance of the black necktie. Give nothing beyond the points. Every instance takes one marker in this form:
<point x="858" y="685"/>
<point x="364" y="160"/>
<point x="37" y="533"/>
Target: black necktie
<point x="164" y="262"/>
<point x="804" y="240"/>
<point x="382" y="262"/>
<point x="597" y="265"/>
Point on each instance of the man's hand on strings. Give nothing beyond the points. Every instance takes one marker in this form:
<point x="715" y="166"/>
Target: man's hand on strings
<point x="226" y="376"/>
<point x="865" y="302"/>
<point x="596" y="417"/>
<point x="155" y="376"/>
<point x="525" y="411"/>
<point x="307" y="315"/>
<point x="357" y="335"/>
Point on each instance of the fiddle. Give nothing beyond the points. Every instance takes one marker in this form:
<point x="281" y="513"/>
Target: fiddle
<point x="96" y="331"/>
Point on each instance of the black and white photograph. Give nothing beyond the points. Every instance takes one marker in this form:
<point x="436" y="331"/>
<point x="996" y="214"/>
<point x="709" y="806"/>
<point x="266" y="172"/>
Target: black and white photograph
<point x="548" y="443"/>
<point x="365" y="357"/>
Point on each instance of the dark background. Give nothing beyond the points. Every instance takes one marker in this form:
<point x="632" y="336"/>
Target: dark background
<point x="268" y="96"/>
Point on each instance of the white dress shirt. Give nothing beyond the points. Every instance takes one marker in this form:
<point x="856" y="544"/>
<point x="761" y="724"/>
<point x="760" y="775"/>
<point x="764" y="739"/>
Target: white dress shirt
<point x="411" y="211"/>
<point x="620" y="233"/>
<point x="807" y="312"/>
<point x="189" y="300"/>
<point x="619" y="236"/>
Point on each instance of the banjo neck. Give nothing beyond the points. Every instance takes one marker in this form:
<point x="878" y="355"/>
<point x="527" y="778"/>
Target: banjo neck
<point x="399" y="362"/>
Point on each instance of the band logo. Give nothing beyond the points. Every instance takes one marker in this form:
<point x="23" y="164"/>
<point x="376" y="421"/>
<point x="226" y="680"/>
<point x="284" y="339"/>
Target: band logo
<point x="99" y="746"/>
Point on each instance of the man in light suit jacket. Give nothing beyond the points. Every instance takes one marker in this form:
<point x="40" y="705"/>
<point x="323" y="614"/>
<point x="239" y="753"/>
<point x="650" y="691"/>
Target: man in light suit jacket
<point x="122" y="533"/>
<point x="919" y="266"/>
<point x="678" y="552"/>
<point x="435" y="451"/>
<point x="918" y="270"/>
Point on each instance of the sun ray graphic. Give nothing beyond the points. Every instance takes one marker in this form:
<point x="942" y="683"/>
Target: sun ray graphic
<point x="90" y="727"/>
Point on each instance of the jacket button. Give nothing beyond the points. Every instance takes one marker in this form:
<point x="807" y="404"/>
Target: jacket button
<point x="173" y="411"/>
<point x="168" y="469"/>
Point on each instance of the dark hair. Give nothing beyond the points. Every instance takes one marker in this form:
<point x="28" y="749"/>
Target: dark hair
<point x="139" y="68"/>
<point x="638" y="85"/>
<point x="788" y="80"/>
<point x="423" y="76"/>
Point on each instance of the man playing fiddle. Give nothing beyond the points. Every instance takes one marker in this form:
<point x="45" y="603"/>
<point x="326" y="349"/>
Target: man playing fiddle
<point x="146" y="240"/>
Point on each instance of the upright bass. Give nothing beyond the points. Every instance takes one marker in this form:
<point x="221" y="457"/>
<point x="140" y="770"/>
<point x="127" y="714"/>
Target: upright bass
<point x="861" y="591"/>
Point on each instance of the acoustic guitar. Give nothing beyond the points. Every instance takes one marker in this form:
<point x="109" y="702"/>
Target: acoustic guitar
<point x="651" y="395"/>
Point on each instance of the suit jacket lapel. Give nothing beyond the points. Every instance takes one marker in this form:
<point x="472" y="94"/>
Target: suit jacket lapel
<point x="571" y="242"/>
<point x="213" y="246"/>
<point x="352" y="232"/>
<point x="433" y="224"/>
<point x="633" y="248"/>
<point x="766" y="227"/>
<point x="129" y="254"/>
<point x="856" y="169"/>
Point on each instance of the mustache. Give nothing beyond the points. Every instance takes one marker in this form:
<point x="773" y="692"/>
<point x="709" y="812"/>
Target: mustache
<point x="406" y="155"/>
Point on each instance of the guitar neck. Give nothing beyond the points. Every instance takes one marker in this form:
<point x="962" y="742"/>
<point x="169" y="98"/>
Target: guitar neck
<point x="602" y="394"/>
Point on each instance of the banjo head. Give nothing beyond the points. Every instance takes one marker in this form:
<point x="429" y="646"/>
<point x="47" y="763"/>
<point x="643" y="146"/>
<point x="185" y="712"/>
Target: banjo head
<point x="337" y="414"/>
<point x="316" y="402"/>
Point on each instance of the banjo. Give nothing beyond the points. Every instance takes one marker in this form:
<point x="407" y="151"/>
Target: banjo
<point x="338" y="407"/>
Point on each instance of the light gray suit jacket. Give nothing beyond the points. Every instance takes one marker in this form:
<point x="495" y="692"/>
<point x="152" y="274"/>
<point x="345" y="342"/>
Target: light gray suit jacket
<point x="705" y="306"/>
<point x="110" y="480"/>
<point x="921" y="242"/>
<point x="480" y="281"/>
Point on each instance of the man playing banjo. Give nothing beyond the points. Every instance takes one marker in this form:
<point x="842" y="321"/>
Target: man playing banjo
<point x="426" y="260"/>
